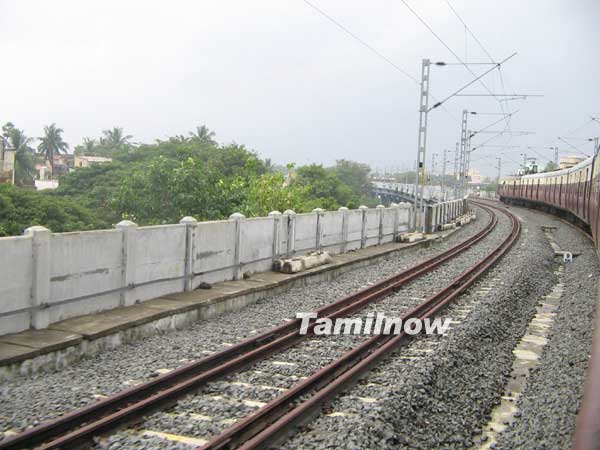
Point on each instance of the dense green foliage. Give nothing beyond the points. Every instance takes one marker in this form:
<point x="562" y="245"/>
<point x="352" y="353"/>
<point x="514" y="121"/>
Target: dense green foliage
<point x="21" y="208"/>
<point x="189" y="176"/>
<point x="195" y="176"/>
<point x="345" y="184"/>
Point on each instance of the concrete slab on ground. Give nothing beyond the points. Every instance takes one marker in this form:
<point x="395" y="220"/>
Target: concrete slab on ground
<point x="101" y="324"/>
<point x="10" y="353"/>
<point x="49" y="340"/>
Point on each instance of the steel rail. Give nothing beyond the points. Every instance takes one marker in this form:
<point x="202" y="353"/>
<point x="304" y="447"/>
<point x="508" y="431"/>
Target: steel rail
<point x="272" y="422"/>
<point x="128" y="405"/>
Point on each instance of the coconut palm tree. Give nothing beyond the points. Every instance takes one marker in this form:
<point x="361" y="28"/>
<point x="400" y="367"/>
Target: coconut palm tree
<point x="88" y="145"/>
<point x="204" y="135"/>
<point x="52" y="143"/>
<point x="24" y="161"/>
<point x="6" y="129"/>
<point x="115" y="138"/>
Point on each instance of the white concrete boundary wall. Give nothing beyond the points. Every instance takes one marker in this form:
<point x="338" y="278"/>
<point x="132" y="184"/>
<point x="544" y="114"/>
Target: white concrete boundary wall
<point x="46" y="277"/>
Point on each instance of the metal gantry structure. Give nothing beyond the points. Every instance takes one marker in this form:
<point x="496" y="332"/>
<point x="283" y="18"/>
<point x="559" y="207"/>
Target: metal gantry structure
<point x="499" y="167"/>
<point x="456" y="170"/>
<point x="444" y="175"/>
<point x="464" y="151"/>
<point x="424" y="109"/>
<point x="422" y="144"/>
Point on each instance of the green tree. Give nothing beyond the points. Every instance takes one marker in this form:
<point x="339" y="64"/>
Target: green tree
<point x="325" y="187"/>
<point x="115" y="138"/>
<point x="268" y="192"/>
<point x="550" y="166"/>
<point x="87" y="147"/>
<point x="355" y="175"/>
<point x="24" y="156"/>
<point x="6" y="129"/>
<point x="52" y="143"/>
<point x="203" y="135"/>
<point x="21" y="208"/>
<point x="24" y="159"/>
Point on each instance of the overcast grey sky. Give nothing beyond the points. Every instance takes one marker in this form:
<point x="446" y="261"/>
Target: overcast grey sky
<point x="280" y="78"/>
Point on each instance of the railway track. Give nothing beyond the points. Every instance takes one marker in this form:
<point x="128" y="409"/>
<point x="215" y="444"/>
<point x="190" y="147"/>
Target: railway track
<point x="278" y="416"/>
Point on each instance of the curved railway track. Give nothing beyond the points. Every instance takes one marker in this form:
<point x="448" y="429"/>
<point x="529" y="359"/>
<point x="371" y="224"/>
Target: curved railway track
<point x="292" y="407"/>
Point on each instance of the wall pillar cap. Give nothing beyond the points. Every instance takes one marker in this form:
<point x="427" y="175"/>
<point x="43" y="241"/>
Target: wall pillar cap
<point x="274" y="213"/>
<point x="342" y="208"/>
<point x="188" y="220"/>
<point x="380" y="206"/>
<point x="289" y="212"/>
<point x="35" y="229"/>
<point x="363" y="207"/>
<point x="393" y="204"/>
<point x="126" y="224"/>
<point x="237" y="216"/>
<point x="318" y="210"/>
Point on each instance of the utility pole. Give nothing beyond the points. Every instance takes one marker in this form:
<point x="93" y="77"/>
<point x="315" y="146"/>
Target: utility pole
<point x="422" y="142"/>
<point x="468" y="161"/>
<point x="432" y="175"/>
<point x="499" y="169"/>
<point x="463" y="151"/>
<point x="555" y="156"/>
<point x="444" y="176"/>
<point x="456" y="170"/>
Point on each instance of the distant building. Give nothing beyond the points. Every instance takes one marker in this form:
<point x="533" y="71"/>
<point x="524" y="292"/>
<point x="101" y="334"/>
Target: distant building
<point x="7" y="163"/>
<point x="86" y="161"/>
<point x="475" y="176"/>
<point x="569" y="161"/>
<point x="40" y="185"/>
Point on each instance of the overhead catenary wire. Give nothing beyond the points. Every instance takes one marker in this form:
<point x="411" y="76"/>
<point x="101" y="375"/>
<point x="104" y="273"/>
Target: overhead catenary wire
<point x="574" y="148"/>
<point x="487" y="127"/>
<point x="478" y="78"/>
<point x="467" y="28"/>
<point x="372" y="49"/>
<point x="449" y="49"/>
<point x="361" y="41"/>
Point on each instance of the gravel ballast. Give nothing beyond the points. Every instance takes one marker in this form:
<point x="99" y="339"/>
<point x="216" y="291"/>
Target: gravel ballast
<point x="553" y="394"/>
<point x="441" y="399"/>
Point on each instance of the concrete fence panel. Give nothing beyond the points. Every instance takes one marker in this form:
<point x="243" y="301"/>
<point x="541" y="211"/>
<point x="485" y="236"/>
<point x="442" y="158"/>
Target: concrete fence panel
<point x="256" y="244"/>
<point x="214" y="251"/>
<point x="371" y="227"/>
<point x="332" y="238"/>
<point x="306" y="233"/>
<point x="355" y="225"/>
<point x="16" y="270"/>
<point x="404" y="217"/>
<point x="388" y="223"/>
<point x="159" y="262"/>
<point x="83" y="265"/>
